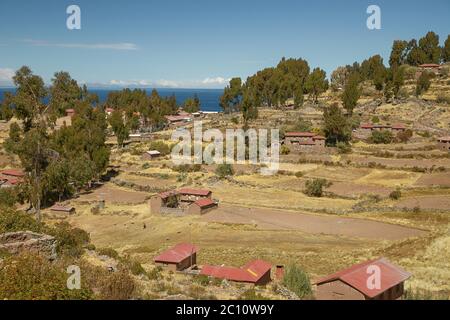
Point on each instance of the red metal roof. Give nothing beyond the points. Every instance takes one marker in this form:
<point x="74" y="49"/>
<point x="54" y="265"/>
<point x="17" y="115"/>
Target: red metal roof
<point x="62" y="208"/>
<point x="398" y="126"/>
<point x="177" y="254"/>
<point x="165" y="195"/>
<point x="299" y="134"/>
<point x="356" y="276"/>
<point x="194" y="192"/>
<point x="202" y="203"/>
<point x="366" y="126"/>
<point x="430" y="65"/>
<point x="251" y="272"/>
<point x="177" y="118"/>
<point x="319" y="138"/>
<point x="13" y="173"/>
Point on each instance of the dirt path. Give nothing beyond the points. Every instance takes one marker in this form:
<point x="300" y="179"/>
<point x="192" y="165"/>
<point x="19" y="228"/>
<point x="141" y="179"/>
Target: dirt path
<point x="332" y="225"/>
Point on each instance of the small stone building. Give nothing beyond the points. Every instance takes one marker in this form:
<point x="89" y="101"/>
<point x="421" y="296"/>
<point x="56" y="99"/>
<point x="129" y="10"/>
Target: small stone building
<point x="183" y="201"/>
<point x="356" y="282"/>
<point x="444" y="143"/>
<point x="202" y="206"/>
<point x="304" y="141"/>
<point x="180" y="257"/>
<point x="151" y="154"/>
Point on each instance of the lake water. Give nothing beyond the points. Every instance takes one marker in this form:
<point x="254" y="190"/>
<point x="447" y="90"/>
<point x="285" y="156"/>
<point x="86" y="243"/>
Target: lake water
<point x="209" y="98"/>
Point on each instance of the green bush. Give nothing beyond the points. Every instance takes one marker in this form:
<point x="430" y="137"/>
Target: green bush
<point x="224" y="170"/>
<point x="314" y="188"/>
<point x="297" y="280"/>
<point x="8" y="197"/>
<point x="109" y="252"/>
<point x="381" y="137"/>
<point x="28" y="276"/>
<point x="343" y="147"/>
<point x="160" y="146"/>
<point x="299" y="174"/>
<point x="12" y="221"/>
<point x="395" y="195"/>
<point x="251" y="294"/>
<point x="71" y="241"/>
<point x="285" y="150"/>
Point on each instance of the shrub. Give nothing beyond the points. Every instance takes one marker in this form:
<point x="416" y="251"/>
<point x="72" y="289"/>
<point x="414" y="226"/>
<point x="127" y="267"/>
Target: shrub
<point x="343" y="147"/>
<point x="155" y="274"/>
<point x="404" y="136"/>
<point x="251" y="294"/>
<point x="314" y="188"/>
<point x="202" y="280"/>
<point x="117" y="286"/>
<point x="70" y="240"/>
<point x="12" y="221"/>
<point x="299" y="174"/>
<point x="135" y="268"/>
<point x="160" y="146"/>
<point x="235" y="120"/>
<point x="29" y="276"/>
<point x="297" y="280"/>
<point x="8" y="197"/>
<point x="375" y="119"/>
<point x="109" y="252"/>
<point x="443" y="98"/>
<point x="224" y="170"/>
<point x="381" y="137"/>
<point x="285" y="150"/>
<point x="395" y="195"/>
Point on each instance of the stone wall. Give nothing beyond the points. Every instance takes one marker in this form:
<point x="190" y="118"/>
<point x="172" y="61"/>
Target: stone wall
<point x="16" y="242"/>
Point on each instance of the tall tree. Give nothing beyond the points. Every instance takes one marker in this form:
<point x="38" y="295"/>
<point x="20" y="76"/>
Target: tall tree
<point x="64" y="93"/>
<point x="336" y="126"/>
<point x="231" y="99"/>
<point x="398" y="54"/>
<point x="119" y="127"/>
<point x="316" y="83"/>
<point x="446" y="50"/>
<point x="430" y="47"/>
<point x="351" y="94"/>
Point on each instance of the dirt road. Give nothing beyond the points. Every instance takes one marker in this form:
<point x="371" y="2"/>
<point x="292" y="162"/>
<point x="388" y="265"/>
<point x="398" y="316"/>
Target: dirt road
<point x="333" y="225"/>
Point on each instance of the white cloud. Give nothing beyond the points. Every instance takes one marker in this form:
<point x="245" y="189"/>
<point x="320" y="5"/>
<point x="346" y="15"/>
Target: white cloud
<point x="6" y="74"/>
<point x="106" y="46"/>
<point x="215" y="81"/>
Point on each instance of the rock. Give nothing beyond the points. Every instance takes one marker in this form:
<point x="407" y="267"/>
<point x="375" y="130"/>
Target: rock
<point x="16" y="242"/>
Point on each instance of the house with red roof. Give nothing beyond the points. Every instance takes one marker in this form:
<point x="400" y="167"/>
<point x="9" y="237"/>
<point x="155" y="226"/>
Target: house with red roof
<point x="376" y="279"/>
<point x="11" y="177"/>
<point x="365" y="129"/>
<point x="304" y="141"/>
<point x="180" y="257"/>
<point x="183" y="201"/>
<point x="256" y="272"/>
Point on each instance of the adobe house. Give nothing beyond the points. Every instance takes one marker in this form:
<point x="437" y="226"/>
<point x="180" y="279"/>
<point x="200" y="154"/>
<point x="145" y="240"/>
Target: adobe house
<point x="202" y="206"/>
<point x="303" y="141"/>
<point x="183" y="201"/>
<point x="365" y="130"/>
<point x="352" y="283"/>
<point x="192" y="195"/>
<point x="10" y="178"/>
<point x="178" y="258"/>
<point x="59" y="208"/>
<point x="256" y="272"/>
<point x="151" y="154"/>
<point x="178" y="120"/>
<point x="444" y="143"/>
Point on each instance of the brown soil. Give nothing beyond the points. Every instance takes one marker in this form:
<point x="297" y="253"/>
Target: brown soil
<point x="434" y="179"/>
<point x="332" y="225"/>
<point x="440" y="202"/>
<point x="113" y="194"/>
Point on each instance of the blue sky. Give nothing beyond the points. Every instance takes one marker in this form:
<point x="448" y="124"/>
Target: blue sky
<point x="201" y="43"/>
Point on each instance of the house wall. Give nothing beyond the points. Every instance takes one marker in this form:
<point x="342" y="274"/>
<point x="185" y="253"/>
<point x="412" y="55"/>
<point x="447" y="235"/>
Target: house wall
<point x="394" y="293"/>
<point x="196" y="210"/>
<point x="186" y="263"/>
<point x="155" y="205"/>
<point x="265" y="279"/>
<point x="337" y="290"/>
